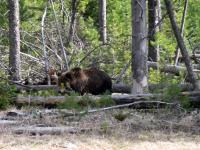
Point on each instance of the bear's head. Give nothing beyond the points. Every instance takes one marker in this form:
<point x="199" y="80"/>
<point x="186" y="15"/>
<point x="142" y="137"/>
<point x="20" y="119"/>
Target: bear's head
<point x="69" y="76"/>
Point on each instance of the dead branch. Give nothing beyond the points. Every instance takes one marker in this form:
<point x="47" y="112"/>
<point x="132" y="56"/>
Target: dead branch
<point x="123" y="71"/>
<point x="60" y="37"/>
<point x="86" y="55"/>
<point x="156" y="103"/>
<point x="33" y="58"/>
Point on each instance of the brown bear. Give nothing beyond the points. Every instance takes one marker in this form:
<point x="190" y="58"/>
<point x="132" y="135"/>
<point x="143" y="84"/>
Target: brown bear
<point x="90" y="80"/>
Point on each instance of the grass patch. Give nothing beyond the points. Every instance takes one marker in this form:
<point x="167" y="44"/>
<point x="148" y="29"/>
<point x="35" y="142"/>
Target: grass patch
<point x="105" y="101"/>
<point x="77" y="102"/>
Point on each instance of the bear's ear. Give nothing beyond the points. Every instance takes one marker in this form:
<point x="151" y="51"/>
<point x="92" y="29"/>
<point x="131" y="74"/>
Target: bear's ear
<point x="77" y="69"/>
<point x="76" y="72"/>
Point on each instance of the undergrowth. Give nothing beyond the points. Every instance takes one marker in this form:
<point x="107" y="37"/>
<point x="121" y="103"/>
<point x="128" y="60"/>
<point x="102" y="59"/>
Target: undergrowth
<point x="7" y="93"/>
<point x="77" y="102"/>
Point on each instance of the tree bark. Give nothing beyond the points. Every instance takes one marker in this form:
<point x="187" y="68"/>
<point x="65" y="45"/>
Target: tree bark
<point x="182" y="30"/>
<point x="72" y="22"/>
<point x="153" y="51"/>
<point x="181" y="44"/>
<point x="14" y="39"/>
<point x="139" y="46"/>
<point x="159" y="14"/>
<point x="102" y="21"/>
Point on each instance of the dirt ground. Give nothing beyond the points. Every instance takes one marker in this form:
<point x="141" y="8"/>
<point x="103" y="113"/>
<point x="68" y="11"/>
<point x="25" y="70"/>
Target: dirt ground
<point x="124" y="129"/>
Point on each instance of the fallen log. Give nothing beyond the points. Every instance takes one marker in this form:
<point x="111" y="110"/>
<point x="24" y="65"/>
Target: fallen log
<point x="7" y="122"/>
<point x="38" y="100"/>
<point x="116" y="88"/>
<point x="124" y="88"/>
<point x="117" y="97"/>
<point x="193" y="57"/>
<point x="121" y="88"/>
<point x="169" y="68"/>
<point x="190" y="93"/>
<point x="53" y="100"/>
<point x="36" y="87"/>
<point x="46" y="130"/>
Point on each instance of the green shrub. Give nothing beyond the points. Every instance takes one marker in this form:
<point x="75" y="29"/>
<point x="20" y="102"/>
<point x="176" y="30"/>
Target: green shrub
<point x="121" y="116"/>
<point x="171" y="93"/>
<point x="7" y="93"/>
<point x="105" y="101"/>
<point x="85" y="102"/>
<point x="70" y="102"/>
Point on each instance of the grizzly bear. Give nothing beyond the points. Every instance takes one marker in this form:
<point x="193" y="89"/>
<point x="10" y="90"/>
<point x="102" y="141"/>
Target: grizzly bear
<point x="83" y="81"/>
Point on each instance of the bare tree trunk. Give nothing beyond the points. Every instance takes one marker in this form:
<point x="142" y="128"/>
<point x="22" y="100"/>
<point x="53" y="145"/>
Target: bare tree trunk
<point x="153" y="51"/>
<point x="181" y="44"/>
<point x="14" y="39"/>
<point x="158" y="28"/>
<point x="139" y="46"/>
<point x="182" y="30"/>
<point x="44" y="47"/>
<point x="159" y="13"/>
<point x="102" y="20"/>
<point x="72" y="22"/>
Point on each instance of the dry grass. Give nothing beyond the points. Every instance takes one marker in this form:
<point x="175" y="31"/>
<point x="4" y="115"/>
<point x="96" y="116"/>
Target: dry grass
<point x="82" y="142"/>
<point x="141" y="130"/>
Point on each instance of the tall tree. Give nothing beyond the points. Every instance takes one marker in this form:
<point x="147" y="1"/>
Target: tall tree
<point x="102" y="21"/>
<point x="139" y="46"/>
<point x="152" y="18"/>
<point x="14" y="39"/>
<point x="181" y="44"/>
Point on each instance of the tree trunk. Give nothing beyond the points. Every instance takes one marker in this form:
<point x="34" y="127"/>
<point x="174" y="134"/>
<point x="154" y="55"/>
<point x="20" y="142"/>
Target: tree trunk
<point x="181" y="44"/>
<point x="182" y="30"/>
<point x="139" y="46"/>
<point x="72" y="22"/>
<point x="102" y="21"/>
<point x="153" y="51"/>
<point x="46" y="67"/>
<point x="159" y="13"/>
<point x="14" y="39"/>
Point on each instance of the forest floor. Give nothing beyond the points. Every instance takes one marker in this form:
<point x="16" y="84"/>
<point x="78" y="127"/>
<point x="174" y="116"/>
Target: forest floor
<point x="155" y="129"/>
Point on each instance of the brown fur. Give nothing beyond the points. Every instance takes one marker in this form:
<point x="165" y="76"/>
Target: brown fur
<point x="91" y="80"/>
